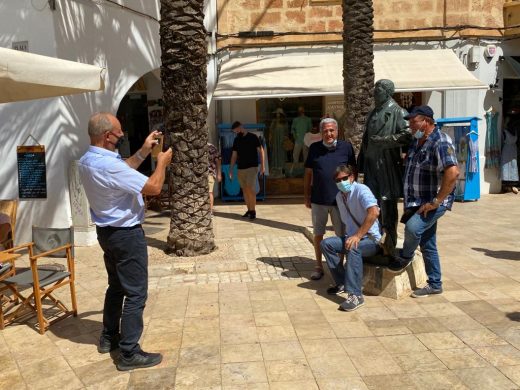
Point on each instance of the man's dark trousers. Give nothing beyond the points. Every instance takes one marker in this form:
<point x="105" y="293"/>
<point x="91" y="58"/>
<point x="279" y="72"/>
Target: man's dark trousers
<point x="126" y="262"/>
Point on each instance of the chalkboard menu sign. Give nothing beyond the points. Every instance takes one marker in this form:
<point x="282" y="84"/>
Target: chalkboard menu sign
<point x="32" y="178"/>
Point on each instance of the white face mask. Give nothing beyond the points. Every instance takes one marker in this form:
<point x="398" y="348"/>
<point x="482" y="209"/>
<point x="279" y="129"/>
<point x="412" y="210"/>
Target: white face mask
<point x="419" y="134"/>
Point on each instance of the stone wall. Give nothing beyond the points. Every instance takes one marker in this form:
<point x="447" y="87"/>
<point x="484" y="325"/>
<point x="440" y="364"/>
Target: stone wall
<point x="318" y="16"/>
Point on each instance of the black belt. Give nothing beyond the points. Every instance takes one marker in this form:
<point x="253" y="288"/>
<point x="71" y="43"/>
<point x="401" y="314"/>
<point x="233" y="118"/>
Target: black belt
<point x="113" y="228"/>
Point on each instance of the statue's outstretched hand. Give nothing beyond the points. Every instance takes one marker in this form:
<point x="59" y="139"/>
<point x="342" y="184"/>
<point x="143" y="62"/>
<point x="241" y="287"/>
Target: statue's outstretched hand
<point x="377" y="138"/>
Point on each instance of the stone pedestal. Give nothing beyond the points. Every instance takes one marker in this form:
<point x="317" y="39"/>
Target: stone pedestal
<point x="377" y="280"/>
<point x="84" y="228"/>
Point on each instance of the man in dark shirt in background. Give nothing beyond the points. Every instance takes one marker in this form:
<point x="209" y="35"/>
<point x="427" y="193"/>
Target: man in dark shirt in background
<point x="319" y="187"/>
<point x="247" y="150"/>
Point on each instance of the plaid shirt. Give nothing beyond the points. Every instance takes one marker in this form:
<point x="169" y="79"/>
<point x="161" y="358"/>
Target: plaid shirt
<point x="425" y="166"/>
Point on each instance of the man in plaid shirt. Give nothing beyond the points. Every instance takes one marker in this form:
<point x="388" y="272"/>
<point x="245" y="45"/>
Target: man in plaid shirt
<point x="429" y="183"/>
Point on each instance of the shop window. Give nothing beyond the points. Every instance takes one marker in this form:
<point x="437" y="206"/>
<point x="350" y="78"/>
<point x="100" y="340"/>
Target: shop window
<point x="286" y="149"/>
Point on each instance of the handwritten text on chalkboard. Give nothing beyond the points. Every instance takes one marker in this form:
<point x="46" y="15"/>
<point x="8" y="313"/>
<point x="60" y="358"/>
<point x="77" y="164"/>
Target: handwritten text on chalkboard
<point x="32" y="179"/>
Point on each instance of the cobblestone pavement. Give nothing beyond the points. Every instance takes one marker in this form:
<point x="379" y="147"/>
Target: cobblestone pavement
<point x="248" y="317"/>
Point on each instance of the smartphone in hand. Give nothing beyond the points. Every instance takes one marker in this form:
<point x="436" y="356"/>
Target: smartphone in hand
<point x="164" y="145"/>
<point x="159" y="140"/>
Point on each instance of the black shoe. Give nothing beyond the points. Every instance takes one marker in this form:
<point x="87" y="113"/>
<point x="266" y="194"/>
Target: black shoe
<point x="426" y="291"/>
<point x="107" y="345"/>
<point x="252" y="214"/>
<point x="140" y="359"/>
<point x="335" y="290"/>
<point x="399" y="264"/>
<point x="246" y="214"/>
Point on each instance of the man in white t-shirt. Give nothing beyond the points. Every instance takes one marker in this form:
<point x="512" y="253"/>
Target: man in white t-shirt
<point x="312" y="136"/>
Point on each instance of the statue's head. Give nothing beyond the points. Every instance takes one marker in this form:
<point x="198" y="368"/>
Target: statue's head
<point x="383" y="90"/>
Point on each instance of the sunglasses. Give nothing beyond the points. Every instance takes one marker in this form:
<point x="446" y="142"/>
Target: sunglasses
<point x="340" y="179"/>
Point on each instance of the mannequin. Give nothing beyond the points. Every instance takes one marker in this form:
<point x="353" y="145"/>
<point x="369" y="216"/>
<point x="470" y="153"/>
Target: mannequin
<point x="300" y="126"/>
<point x="277" y="132"/>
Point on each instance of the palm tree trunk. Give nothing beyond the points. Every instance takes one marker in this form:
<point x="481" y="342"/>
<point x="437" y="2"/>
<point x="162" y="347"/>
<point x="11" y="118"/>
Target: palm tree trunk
<point x="183" y="77"/>
<point x="358" y="66"/>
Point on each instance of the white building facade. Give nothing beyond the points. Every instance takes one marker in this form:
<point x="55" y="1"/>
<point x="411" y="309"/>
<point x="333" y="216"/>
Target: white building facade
<point x="123" y="38"/>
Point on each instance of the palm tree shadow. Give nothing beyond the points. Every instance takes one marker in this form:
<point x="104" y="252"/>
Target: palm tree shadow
<point x="261" y="221"/>
<point x="294" y="267"/>
<point x="155" y="243"/>
<point x="503" y="255"/>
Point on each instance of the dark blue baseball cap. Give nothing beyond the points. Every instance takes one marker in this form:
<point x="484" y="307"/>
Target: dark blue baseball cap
<point x="420" y="110"/>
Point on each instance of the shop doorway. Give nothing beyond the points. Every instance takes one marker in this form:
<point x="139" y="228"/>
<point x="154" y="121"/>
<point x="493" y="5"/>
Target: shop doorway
<point x="510" y="137"/>
<point x="133" y="115"/>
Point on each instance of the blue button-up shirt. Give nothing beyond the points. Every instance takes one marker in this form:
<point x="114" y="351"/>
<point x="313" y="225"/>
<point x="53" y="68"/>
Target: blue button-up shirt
<point x="425" y="167"/>
<point x="113" y="188"/>
<point x="359" y="200"/>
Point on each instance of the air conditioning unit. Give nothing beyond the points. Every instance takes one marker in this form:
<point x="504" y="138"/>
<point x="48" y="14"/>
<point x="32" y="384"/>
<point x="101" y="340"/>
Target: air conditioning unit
<point x="474" y="55"/>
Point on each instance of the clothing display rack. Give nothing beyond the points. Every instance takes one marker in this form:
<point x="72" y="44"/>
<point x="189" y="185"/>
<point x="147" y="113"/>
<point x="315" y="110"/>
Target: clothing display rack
<point x="464" y="134"/>
<point x="230" y="189"/>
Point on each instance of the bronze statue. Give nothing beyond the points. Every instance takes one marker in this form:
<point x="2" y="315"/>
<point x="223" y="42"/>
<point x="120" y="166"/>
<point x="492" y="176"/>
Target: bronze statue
<point x="380" y="158"/>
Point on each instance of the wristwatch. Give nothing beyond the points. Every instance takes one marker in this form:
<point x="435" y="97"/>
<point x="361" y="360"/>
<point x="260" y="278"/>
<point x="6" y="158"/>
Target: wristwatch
<point x="436" y="201"/>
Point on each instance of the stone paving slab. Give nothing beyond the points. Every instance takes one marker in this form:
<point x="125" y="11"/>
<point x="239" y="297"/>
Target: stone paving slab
<point x="248" y="317"/>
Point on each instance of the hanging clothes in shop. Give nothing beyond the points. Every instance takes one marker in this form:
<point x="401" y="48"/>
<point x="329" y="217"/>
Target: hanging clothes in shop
<point x="473" y="154"/>
<point x="509" y="171"/>
<point x="492" y="148"/>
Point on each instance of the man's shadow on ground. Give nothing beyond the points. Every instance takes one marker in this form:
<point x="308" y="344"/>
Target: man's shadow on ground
<point x="155" y="243"/>
<point x="70" y="328"/>
<point x="502" y="255"/>
<point x="81" y="330"/>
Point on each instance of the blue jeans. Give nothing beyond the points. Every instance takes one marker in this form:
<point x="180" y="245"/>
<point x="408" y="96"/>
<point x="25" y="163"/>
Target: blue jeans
<point x="352" y="276"/>
<point x="126" y="262"/>
<point x="422" y="231"/>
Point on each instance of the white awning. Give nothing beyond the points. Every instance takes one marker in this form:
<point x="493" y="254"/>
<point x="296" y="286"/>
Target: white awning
<point x="316" y="74"/>
<point x="26" y="76"/>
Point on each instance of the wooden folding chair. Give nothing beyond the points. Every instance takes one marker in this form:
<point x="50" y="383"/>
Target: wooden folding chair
<point x="9" y="208"/>
<point x="7" y="270"/>
<point x="7" y="267"/>
<point x="35" y="287"/>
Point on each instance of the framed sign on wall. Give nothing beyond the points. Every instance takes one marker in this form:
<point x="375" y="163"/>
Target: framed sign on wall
<point x="32" y="172"/>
